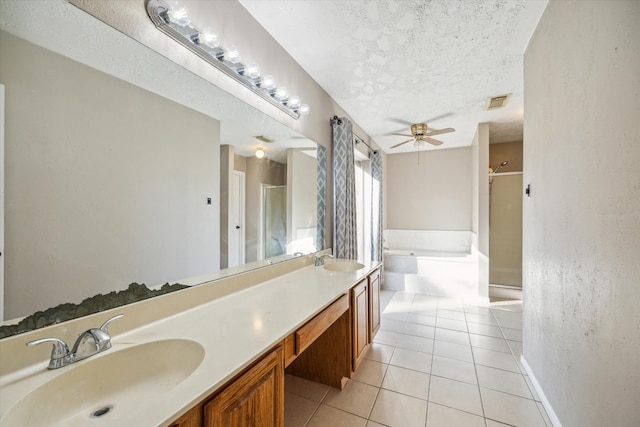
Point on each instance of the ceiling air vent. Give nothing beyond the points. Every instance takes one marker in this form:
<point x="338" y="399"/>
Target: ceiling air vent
<point x="265" y="139"/>
<point x="497" y="102"/>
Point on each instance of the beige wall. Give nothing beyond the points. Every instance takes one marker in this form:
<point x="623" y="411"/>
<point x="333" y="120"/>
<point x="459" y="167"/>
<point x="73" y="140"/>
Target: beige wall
<point x="581" y="323"/>
<point x="511" y="151"/>
<point x="430" y="190"/>
<point x="102" y="187"/>
<point x="235" y="23"/>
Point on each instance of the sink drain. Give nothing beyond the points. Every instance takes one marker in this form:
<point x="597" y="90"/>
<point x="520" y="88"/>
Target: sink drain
<point x="101" y="412"/>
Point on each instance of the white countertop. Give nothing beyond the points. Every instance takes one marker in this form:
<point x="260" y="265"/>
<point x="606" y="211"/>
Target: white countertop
<point x="234" y="330"/>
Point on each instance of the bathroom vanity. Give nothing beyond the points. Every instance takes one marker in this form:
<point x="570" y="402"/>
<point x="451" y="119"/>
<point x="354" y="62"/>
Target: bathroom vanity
<point x="327" y="349"/>
<point x="229" y="349"/>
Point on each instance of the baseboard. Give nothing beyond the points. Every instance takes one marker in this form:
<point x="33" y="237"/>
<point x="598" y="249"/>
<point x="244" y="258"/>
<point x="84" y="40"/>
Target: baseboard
<point x="543" y="398"/>
<point x="505" y="292"/>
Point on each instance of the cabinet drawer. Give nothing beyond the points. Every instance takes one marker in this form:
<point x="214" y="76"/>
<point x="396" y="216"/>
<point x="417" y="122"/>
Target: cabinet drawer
<point x="307" y="334"/>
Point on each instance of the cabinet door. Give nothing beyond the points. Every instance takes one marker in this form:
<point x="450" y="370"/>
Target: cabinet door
<point x="374" y="303"/>
<point x="193" y="418"/>
<point x="360" y="316"/>
<point x="255" y="399"/>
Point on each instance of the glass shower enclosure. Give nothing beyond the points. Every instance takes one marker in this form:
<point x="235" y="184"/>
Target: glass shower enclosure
<point x="505" y="229"/>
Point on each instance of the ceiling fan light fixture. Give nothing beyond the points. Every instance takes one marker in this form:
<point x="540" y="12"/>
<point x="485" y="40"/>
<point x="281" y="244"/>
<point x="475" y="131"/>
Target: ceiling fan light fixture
<point x="419" y="144"/>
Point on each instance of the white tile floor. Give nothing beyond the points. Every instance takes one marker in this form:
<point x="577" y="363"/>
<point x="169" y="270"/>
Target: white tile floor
<point x="436" y="362"/>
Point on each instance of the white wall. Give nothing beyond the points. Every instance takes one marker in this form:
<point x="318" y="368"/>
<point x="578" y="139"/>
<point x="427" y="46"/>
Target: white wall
<point x="430" y="190"/>
<point x="581" y="322"/>
<point x="480" y="205"/>
<point x="106" y="183"/>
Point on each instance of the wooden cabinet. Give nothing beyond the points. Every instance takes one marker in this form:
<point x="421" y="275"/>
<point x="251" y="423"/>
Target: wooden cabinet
<point x="360" y="321"/>
<point x="193" y="418"/>
<point x="374" y="303"/>
<point x="254" y="399"/>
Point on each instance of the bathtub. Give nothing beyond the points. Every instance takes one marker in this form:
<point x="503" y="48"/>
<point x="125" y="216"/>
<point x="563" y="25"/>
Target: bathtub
<point x="432" y="262"/>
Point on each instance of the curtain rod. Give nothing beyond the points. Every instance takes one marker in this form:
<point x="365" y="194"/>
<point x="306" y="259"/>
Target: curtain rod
<point x="358" y="140"/>
<point x="335" y="119"/>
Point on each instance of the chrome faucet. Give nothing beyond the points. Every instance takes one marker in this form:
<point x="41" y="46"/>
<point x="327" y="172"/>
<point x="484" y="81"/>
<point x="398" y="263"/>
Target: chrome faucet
<point x="90" y="342"/>
<point x="320" y="259"/>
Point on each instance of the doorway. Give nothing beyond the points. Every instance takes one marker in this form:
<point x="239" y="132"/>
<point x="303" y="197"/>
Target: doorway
<point x="505" y="219"/>
<point x="505" y="229"/>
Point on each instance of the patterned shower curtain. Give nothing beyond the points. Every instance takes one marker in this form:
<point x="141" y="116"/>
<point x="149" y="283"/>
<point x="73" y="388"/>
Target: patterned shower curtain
<point x="321" y="192"/>
<point x="344" y="190"/>
<point x="376" y="206"/>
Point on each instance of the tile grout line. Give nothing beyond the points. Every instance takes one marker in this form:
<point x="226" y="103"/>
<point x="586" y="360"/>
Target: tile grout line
<point x="475" y="369"/>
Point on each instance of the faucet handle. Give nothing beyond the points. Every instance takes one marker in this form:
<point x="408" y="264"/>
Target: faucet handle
<point x="60" y="348"/>
<point x="59" y="353"/>
<point x="105" y="325"/>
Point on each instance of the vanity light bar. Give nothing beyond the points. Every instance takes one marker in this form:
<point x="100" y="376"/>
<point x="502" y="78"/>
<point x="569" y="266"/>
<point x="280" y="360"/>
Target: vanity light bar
<point x="171" y="17"/>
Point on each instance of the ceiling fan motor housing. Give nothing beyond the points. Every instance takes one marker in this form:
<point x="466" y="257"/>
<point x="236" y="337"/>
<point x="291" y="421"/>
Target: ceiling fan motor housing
<point x="418" y="129"/>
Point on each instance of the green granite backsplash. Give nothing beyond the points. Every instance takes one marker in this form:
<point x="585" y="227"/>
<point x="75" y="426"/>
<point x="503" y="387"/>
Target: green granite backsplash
<point x="63" y="312"/>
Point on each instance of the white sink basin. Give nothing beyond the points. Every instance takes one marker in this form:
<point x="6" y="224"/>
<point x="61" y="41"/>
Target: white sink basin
<point x="343" y="265"/>
<point x="106" y="388"/>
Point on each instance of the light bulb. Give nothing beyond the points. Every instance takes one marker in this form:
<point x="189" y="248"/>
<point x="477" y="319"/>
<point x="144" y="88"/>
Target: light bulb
<point x="419" y="144"/>
<point x="268" y="83"/>
<point x="259" y="153"/>
<point x="178" y="13"/>
<point x="209" y="37"/>
<point x="294" y="102"/>
<point x="304" y="110"/>
<point x="282" y="93"/>
<point x="252" y="70"/>
<point x="232" y="55"/>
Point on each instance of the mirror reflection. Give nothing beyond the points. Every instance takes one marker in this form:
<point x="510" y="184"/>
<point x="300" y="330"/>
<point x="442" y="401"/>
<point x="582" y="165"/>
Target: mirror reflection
<point x="109" y="181"/>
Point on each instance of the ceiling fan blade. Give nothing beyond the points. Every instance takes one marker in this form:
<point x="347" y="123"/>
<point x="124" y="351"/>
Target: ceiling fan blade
<point x="399" y="121"/>
<point x="402" y="134"/>
<point x="441" y="116"/>
<point x="432" y="141"/>
<point x="441" y="131"/>
<point x="397" y="145"/>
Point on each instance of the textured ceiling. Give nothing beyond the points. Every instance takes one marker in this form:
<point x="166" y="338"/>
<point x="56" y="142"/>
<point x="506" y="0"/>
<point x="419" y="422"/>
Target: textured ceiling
<point x="391" y="61"/>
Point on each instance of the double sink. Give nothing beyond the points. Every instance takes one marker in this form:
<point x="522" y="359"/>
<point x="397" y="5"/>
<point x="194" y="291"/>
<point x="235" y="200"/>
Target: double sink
<point x="116" y="383"/>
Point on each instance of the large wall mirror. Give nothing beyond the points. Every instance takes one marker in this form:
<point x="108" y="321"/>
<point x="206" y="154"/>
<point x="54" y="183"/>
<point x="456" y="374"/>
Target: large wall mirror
<point x="121" y="167"/>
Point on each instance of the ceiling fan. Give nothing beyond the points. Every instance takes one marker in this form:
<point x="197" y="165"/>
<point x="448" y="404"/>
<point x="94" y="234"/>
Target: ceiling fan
<point x="420" y="134"/>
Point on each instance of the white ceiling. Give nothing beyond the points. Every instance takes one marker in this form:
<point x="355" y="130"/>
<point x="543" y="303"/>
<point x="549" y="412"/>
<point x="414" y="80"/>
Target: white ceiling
<point x="389" y="62"/>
